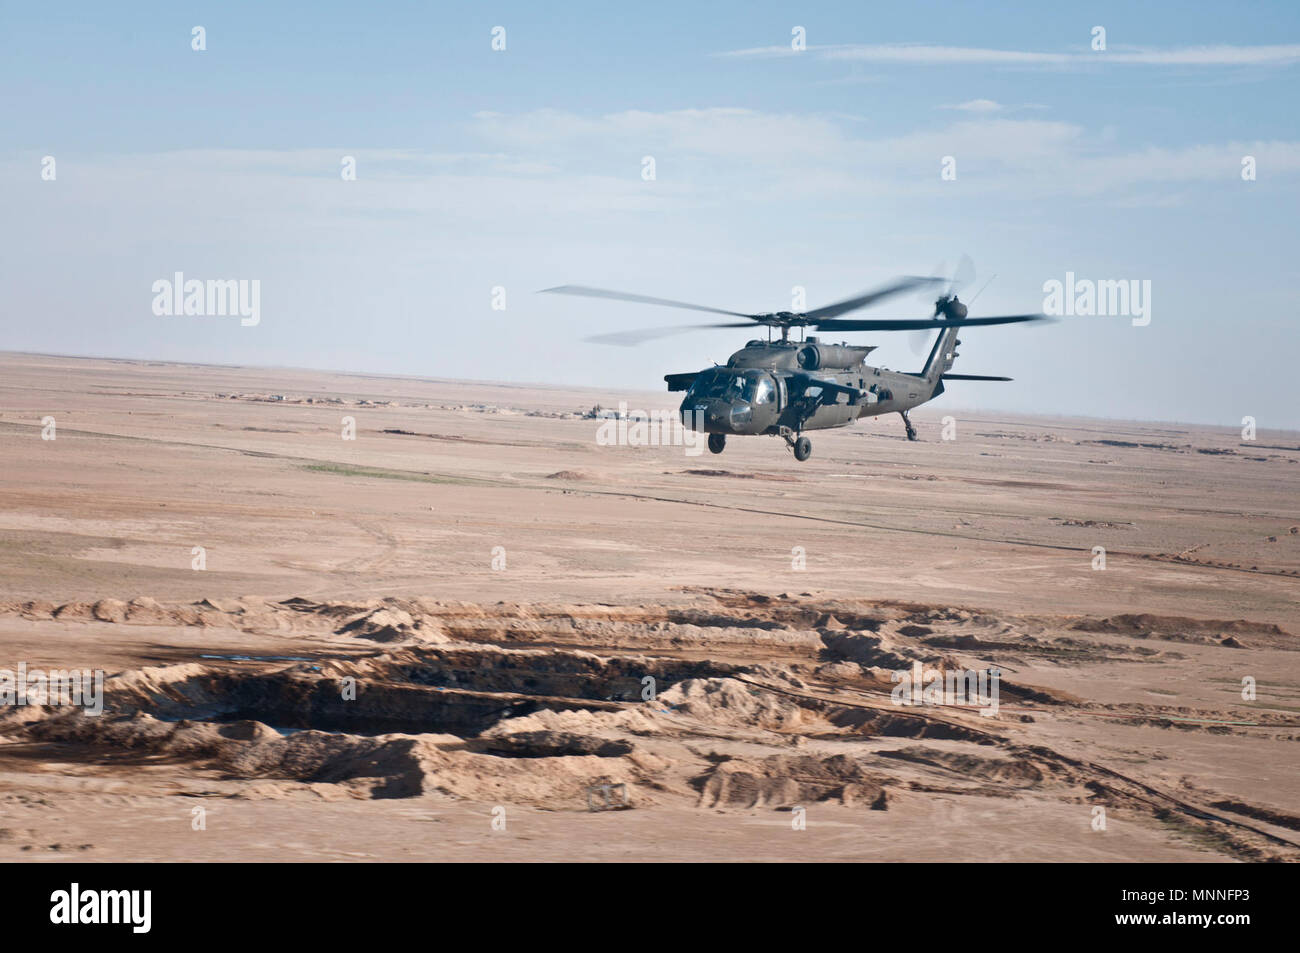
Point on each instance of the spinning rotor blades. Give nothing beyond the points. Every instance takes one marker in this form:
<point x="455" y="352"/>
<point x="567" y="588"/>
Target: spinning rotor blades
<point x="781" y="319"/>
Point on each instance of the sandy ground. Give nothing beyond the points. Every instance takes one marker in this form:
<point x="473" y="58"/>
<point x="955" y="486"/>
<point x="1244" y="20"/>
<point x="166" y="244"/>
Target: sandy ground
<point x="769" y="601"/>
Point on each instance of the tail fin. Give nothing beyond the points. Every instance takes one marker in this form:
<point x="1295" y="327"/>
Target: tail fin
<point x="941" y="356"/>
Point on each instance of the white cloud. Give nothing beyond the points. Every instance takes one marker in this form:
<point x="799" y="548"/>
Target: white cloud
<point x="713" y="132"/>
<point x="1279" y="54"/>
<point x="534" y="166"/>
<point x="931" y="55"/>
<point x="977" y="106"/>
<point x="923" y="54"/>
<point x="755" y="156"/>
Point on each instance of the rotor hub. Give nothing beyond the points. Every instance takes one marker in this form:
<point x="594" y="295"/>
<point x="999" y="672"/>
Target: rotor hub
<point x="951" y="309"/>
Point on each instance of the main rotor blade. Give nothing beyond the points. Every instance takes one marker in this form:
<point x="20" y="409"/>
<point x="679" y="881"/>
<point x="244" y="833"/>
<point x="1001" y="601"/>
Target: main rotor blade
<point x="585" y="292"/>
<point x="906" y="283"/>
<point x="911" y="324"/>
<point x="632" y="338"/>
<point x="919" y="342"/>
<point x="962" y="276"/>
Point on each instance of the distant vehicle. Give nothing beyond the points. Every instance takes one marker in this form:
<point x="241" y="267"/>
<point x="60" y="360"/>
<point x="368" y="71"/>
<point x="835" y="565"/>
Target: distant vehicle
<point x="782" y="387"/>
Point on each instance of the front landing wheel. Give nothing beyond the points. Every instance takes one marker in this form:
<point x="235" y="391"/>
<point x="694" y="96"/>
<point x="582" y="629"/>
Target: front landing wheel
<point x="802" y="449"/>
<point x="717" y="442"/>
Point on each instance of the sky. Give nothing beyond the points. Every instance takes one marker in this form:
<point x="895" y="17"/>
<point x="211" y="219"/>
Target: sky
<point x="481" y="171"/>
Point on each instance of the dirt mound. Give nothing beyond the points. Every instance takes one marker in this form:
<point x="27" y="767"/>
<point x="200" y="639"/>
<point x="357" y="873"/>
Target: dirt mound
<point x="1009" y="772"/>
<point x="789" y="781"/>
<point x="872" y="650"/>
<point x="731" y="702"/>
<point x="1198" y="631"/>
<point x="391" y="625"/>
<point x="146" y="611"/>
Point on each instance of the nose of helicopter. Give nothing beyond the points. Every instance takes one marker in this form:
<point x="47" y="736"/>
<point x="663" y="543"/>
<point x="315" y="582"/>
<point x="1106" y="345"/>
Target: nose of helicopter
<point x="709" y="415"/>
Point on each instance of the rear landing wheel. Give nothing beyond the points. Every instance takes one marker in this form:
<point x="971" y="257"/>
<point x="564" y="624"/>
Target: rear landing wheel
<point x="802" y="449"/>
<point x="717" y="442"/>
<point x="911" y="431"/>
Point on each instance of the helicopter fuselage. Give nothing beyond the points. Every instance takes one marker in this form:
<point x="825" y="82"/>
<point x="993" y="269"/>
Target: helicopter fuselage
<point x="787" y="387"/>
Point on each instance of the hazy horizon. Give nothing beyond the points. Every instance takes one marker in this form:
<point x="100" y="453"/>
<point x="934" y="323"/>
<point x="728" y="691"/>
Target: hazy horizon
<point x="941" y="405"/>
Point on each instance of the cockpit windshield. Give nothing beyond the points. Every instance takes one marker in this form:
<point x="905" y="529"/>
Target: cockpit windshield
<point x="717" y="383"/>
<point x="751" y="386"/>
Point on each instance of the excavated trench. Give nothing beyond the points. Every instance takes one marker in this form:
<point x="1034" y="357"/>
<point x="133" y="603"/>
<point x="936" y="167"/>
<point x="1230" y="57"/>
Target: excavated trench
<point x="462" y="692"/>
<point x="291" y="704"/>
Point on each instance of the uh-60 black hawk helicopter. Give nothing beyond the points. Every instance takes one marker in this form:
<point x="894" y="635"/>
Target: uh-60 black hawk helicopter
<point x="783" y="387"/>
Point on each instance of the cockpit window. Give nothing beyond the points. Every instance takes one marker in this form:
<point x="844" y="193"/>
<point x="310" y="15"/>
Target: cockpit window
<point x="717" y="383"/>
<point x="729" y="385"/>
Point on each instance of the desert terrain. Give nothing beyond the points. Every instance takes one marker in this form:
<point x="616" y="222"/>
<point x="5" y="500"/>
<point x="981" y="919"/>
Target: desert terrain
<point x="499" y="590"/>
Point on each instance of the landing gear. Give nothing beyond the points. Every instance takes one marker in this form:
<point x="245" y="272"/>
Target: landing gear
<point x="801" y="446"/>
<point x="717" y="442"/>
<point x="911" y="431"/>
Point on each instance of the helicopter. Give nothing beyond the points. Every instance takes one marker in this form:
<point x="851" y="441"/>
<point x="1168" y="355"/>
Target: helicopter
<point x="780" y="387"/>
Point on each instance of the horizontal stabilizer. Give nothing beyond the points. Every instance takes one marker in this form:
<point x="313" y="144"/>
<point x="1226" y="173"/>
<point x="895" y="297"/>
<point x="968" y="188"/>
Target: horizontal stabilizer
<point x="972" y="377"/>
